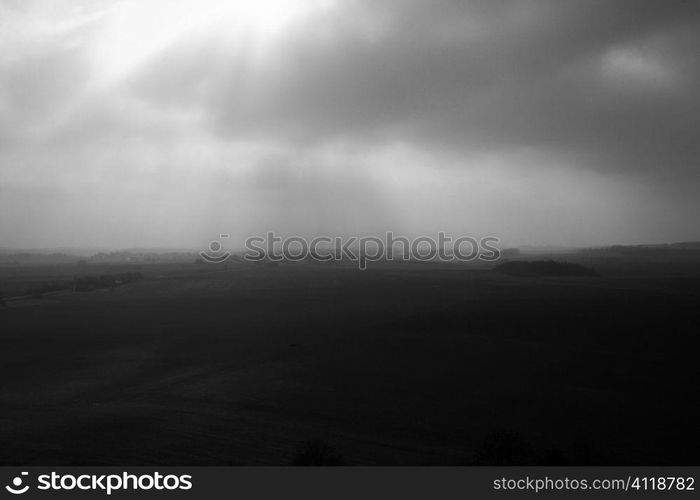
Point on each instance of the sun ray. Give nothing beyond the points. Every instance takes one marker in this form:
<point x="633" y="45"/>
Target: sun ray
<point x="133" y="31"/>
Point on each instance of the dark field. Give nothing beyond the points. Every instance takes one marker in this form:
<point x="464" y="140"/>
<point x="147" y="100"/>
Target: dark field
<point x="401" y="364"/>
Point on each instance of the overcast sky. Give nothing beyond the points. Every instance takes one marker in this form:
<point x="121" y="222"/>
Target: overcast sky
<point x="164" y="123"/>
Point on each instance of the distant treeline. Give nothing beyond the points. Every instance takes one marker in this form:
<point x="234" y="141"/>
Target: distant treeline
<point x="685" y="248"/>
<point x="87" y="283"/>
<point x="84" y="283"/>
<point x="544" y="268"/>
<point x="19" y="257"/>
<point x="146" y="257"/>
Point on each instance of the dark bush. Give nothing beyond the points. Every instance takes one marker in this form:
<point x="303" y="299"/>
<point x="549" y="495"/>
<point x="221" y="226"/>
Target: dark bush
<point x="505" y="448"/>
<point x="317" y="453"/>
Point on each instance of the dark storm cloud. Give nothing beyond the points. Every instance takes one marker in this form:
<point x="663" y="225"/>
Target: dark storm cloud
<point x="614" y="84"/>
<point x="543" y="121"/>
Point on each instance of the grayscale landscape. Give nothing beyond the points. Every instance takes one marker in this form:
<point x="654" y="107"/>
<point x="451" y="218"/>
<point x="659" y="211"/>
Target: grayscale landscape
<point x="167" y="168"/>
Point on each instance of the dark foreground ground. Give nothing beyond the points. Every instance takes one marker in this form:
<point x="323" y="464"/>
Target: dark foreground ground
<point x="400" y="364"/>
